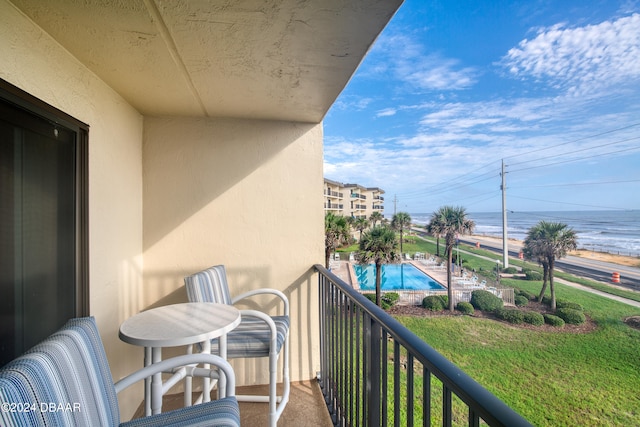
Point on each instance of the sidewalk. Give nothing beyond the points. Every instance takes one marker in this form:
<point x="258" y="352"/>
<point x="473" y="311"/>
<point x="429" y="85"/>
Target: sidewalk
<point x="573" y="285"/>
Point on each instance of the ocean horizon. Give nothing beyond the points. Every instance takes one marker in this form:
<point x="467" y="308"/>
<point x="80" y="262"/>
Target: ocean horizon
<point x="615" y="232"/>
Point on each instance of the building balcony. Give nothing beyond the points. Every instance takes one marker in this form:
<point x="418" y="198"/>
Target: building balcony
<point x="375" y="372"/>
<point x="333" y="206"/>
<point x="334" y="194"/>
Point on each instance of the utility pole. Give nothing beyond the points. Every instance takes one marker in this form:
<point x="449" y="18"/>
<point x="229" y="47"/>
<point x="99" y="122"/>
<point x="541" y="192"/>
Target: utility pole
<point x="395" y="202"/>
<point x="505" y="237"/>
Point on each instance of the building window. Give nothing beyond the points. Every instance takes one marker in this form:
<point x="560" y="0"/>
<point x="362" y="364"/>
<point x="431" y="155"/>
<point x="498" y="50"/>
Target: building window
<point x="43" y="220"/>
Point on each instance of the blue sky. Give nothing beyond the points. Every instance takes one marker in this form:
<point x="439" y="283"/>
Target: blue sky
<point x="451" y="88"/>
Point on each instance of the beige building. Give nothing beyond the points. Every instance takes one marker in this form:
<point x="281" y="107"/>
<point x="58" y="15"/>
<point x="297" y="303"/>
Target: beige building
<point x="190" y="119"/>
<point x="352" y="199"/>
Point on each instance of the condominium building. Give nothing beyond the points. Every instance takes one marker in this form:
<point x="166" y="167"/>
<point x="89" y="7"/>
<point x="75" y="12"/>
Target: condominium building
<point x="352" y="199"/>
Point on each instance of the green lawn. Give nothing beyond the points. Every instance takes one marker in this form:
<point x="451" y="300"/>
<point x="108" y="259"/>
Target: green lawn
<point x="551" y="378"/>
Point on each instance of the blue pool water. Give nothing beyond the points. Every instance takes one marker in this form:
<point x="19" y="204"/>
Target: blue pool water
<point x="395" y="277"/>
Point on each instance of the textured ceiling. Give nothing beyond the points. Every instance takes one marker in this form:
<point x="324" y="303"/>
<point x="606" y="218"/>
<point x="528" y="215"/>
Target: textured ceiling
<point x="265" y="59"/>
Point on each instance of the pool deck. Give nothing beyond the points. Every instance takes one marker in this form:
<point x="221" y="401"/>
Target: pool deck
<point x="344" y="270"/>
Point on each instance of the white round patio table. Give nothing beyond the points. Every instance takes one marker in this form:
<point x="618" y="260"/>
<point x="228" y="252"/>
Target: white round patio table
<point x="177" y="325"/>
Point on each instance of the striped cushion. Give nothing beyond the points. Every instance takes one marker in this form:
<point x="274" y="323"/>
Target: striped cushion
<point x="252" y="337"/>
<point x="223" y="413"/>
<point x="209" y="285"/>
<point x="66" y="378"/>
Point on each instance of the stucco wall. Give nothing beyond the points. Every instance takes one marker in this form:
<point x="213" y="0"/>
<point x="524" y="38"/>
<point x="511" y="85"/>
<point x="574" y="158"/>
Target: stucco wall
<point x="246" y="194"/>
<point x="34" y="62"/>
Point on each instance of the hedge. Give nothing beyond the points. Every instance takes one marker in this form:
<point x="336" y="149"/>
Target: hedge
<point x="485" y="301"/>
<point x="553" y="320"/>
<point x="534" y="318"/>
<point x="465" y="308"/>
<point x="571" y="316"/>
<point x="433" y="303"/>
<point x="511" y="315"/>
<point x="521" y="300"/>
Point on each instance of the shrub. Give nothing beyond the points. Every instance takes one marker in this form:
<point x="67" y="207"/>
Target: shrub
<point x="553" y="320"/>
<point x="433" y="303"/>
<point x="534" y="318"/>
<point x="528" y="295"/>
<point x="511" y="315"/>
<point x="386" y="300"/>
<point x="391" y="297"/>
<point x="571" y="316"/>
<point x="521" y="300"/>
<point x="485" y="301"/>
<point x="562" y="303"/>
<point x="465" y="308"/>
<point x="445" y="300"/>
<point x="510" y="270"/>
<point x="533" y="275"/>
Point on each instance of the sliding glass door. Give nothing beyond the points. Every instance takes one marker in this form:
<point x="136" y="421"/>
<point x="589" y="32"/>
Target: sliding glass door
<point x="41" y="227"/>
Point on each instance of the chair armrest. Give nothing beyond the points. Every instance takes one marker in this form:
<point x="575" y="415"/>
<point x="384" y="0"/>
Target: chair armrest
<point x="179" y="361"/>
<point x="263" y="291"/>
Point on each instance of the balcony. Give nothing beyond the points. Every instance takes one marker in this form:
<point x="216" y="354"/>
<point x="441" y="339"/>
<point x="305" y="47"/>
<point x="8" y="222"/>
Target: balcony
<point x="333" y="206"/>
<point x="375" y="372"/>
<point x="336" y="194"/>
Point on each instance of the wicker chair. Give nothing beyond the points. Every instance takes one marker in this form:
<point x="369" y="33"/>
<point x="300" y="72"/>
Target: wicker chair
<point x="65" y="381"/>
<point x="258" y="335"/>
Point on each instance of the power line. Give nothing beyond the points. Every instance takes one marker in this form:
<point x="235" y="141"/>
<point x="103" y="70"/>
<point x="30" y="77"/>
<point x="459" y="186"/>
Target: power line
<point x="574" y="141"/>
<point x="576" y="184"/>
<point x="580" y="158"/>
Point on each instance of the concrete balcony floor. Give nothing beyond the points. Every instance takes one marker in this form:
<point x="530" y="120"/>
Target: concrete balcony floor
<point x="306" y="406"/>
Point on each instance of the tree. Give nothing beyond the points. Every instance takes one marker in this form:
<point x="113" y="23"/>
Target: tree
<point x="375" y="217"/>
<point x="452" y="221"/>
<point x="533" y="250"/>
<point x="361" y="224"/>
<point x="435" y="229"/>
<point x="550" y="241"/>
<point x="378" y="245"/>
<point x="401" y="221"/>
<point x="336" y="233"/>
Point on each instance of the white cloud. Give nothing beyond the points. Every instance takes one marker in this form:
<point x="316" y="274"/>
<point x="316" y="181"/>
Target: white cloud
<point x="581" y="60"/>
<point x="386" y="112"/>
<point x="406" y="59"/>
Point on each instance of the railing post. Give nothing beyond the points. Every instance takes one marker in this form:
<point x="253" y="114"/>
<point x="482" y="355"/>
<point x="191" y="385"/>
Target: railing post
<point x="372" y="375"/>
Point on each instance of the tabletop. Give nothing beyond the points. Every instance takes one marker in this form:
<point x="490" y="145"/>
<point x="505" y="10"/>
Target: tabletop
<point x="179" y="324"/>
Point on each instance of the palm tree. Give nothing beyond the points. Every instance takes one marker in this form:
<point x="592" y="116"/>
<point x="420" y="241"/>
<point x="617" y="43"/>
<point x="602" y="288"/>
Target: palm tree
<point x="375" y="217"/>
<point x="361" y="224"/>
<point x="533" y="249"/>
<point x="435" y="229"/>
<point x="378" y="245"/>
<point x="336" y="233"/>
<point x="401" y="221"/>
<point x="550" y="241"/>
<point x="452" y="222"/>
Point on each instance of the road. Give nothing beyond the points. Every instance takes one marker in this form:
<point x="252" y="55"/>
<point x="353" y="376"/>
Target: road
<point x="582" y="267"/>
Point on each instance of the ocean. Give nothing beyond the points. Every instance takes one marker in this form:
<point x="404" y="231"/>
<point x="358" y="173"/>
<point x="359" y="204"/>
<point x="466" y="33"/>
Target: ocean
<point x="616" y="232"/>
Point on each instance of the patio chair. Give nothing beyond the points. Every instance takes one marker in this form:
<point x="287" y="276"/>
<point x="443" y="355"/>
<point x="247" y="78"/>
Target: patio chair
<point x="65" y="381"/>
<point x="258" y="335"/>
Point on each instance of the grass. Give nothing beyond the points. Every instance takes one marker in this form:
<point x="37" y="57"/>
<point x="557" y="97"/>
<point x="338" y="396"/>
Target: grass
<point x="551" y="378"/>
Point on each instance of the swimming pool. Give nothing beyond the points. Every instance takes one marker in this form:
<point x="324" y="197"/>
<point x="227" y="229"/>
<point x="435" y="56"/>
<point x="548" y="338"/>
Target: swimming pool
<point x="395" y="277"/>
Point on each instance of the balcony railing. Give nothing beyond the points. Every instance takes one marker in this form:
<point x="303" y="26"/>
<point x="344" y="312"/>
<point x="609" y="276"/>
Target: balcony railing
<point x="333" y="193"/>
<point x="333" y="206"/>
<point x="375" y="372"/>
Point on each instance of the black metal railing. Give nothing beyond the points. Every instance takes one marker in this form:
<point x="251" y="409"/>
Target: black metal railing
<point x="376" y="372"/>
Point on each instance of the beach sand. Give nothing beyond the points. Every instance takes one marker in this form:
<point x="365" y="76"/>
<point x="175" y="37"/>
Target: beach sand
<point x="598" y="256"/>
